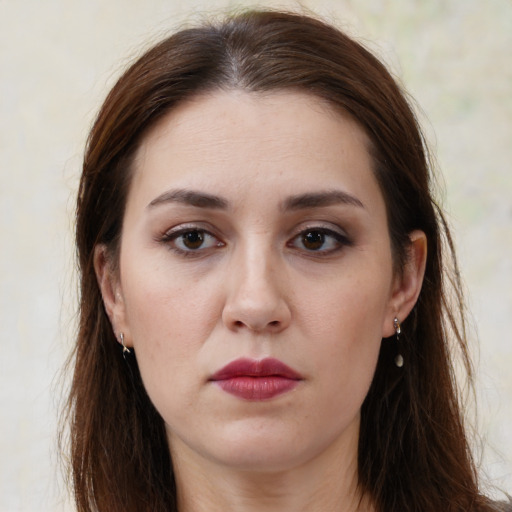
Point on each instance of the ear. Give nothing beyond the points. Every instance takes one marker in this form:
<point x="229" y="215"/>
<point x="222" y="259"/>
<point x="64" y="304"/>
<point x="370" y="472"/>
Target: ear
<point x="111" y="292"/>
<point x="407" y="284"/>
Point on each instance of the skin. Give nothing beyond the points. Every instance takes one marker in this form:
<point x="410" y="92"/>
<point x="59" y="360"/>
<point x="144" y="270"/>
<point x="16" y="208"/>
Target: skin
<point x="310" y="283"/>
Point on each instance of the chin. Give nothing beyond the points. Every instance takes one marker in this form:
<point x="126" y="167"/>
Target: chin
<point x="267" y="449"/>
<point x="269" y="459"/>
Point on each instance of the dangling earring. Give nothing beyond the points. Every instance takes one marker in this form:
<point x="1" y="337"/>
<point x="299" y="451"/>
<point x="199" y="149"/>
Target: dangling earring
<point x="399" y="360"/>
<point x="126" y="350"/>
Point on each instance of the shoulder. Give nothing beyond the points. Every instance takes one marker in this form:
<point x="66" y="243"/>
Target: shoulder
<point x="503" y="506"/>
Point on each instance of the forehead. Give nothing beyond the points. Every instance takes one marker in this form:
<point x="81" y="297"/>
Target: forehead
<point x="230" y="138"/>
<point x="274" y="113"/>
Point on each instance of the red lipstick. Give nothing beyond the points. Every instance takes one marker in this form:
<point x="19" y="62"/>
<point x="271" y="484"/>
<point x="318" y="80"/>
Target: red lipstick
<point x="256" y="380"/>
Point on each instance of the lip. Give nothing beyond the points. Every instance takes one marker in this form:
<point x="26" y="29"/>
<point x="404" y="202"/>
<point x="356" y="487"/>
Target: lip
<point x="256" y="380"/>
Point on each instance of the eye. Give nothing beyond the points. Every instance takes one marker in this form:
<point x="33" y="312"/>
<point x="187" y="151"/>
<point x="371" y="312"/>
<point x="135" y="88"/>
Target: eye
<point x="319" y="240"/>
<point x="190" y="240"/>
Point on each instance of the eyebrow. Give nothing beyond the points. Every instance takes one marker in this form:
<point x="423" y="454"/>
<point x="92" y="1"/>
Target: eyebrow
<point x="321" y="199"/>
<point x="191" y="198"/>
<point x="297" y="202"/>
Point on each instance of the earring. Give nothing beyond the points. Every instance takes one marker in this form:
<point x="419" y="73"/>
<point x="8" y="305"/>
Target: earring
<point x="399" y="360"/>
<point x="126" y="350"/>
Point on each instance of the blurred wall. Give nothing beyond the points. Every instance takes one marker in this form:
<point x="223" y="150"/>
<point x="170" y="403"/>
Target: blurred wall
<point x="57" y="61"/>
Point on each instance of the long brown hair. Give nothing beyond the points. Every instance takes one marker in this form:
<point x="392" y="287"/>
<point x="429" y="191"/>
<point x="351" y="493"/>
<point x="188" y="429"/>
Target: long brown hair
<point x="413" y="450"/>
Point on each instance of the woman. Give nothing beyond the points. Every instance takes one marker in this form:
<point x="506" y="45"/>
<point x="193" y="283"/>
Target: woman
<point x="264" y="319"/>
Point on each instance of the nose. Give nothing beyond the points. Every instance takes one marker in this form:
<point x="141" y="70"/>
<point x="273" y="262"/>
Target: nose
<point x="256" y="298"/>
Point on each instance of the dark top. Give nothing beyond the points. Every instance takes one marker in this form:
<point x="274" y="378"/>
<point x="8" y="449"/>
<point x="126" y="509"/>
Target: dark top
<point x="504" y="506"/>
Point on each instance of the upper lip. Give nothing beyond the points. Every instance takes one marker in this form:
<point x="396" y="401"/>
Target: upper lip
<point x="268" y="367"/>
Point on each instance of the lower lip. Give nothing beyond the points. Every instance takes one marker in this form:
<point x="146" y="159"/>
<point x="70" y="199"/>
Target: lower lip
<point x="257" y="388"/>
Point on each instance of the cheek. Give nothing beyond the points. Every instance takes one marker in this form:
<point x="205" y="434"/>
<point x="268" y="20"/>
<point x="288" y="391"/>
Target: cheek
<point x="169" y="317"/>
<point x="346" y="320"/>
<point x="163" y="304"/>
<point x="167" y="340"/>
<point x="349" y="309"/>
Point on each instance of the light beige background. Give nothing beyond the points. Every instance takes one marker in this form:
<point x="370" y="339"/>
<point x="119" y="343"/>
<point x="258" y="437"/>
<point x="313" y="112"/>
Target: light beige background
<point x="57" y="60"/>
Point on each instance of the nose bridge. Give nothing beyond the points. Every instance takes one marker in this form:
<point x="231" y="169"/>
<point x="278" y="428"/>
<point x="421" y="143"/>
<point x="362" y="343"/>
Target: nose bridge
<point x="253" y="273"/>
<point x="256" y="298"/>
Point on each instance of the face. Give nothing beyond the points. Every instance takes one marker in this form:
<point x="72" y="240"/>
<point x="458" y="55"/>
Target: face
<point x="255" y="279"/>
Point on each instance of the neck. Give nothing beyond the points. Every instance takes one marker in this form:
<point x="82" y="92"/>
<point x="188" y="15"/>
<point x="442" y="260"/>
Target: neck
<point x="327" y="483"/>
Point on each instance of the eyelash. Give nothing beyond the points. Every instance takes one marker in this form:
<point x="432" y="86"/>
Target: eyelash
<point x="340" y="240"/>
<point x="171" y="237"/>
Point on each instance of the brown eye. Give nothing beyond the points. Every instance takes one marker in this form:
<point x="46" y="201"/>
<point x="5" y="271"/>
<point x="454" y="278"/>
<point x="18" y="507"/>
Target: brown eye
<point x="189" y="241"/>
<point x="313" y="240"/>
<point x="320" y="240"/>
<point x="192" y="239"/>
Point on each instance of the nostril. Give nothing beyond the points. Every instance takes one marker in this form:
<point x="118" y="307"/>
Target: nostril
<point x="240" y="323"/>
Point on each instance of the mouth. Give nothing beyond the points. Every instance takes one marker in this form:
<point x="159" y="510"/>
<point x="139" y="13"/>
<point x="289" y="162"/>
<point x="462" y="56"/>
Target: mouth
<point x="254" y="380"/>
